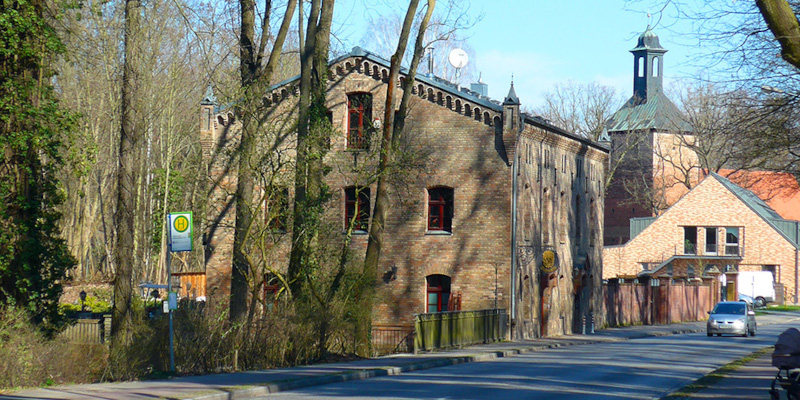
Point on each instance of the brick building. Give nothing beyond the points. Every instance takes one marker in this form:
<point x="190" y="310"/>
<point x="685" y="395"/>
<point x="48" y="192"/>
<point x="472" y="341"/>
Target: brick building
<point x="716" y="228"/>
<point x="504" y="210"/>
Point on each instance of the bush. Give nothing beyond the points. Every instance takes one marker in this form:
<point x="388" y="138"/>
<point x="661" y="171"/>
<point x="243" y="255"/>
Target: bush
<point x="92" y="304"/>
<point x="27" y="358"/>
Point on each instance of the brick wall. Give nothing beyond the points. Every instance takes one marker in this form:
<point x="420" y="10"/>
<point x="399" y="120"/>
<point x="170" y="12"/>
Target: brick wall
<point x="466" y="148"/>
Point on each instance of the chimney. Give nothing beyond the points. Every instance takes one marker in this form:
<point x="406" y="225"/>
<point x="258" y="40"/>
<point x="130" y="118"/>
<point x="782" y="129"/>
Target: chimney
<point x="480" y="88"/>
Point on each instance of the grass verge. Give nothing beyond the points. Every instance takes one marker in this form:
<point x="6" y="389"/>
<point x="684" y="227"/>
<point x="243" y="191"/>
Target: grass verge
<point x="715" y="376"/>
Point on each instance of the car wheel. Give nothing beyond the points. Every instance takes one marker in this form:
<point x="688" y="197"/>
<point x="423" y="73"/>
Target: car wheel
<point x="760" y="302"/>
<point x="709" y="334"/>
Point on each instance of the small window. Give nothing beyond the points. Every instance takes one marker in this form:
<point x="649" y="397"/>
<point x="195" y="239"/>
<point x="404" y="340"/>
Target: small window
<point x="276" y="212"/>
<point x="438" y="293"/>
<point x="357" y="209"/>
<point x="206" y="119"/>
<point x="689" y="240"/>
<point x="578" y="217"/>
<point x="655" y="66"/>
<point x="440" y="209"/>
<point x="640" y="69"/>
<point x="711" y="240"/>
<point x="731" y="241"/>
<point x="359" y="118"/>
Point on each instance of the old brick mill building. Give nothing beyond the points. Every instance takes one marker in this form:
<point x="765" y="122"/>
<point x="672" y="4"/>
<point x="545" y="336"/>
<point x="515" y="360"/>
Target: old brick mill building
<point x="505" y="211"/>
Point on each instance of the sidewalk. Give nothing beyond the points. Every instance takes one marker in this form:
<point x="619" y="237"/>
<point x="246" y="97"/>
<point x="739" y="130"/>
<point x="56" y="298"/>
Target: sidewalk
<point x="242" y="385"/>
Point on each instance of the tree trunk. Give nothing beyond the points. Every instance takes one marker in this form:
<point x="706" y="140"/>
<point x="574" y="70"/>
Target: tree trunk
<point x="129" y="155"/>
<point x="382" y="203"/>
<point x="254" y="80"/>
<point x="310" y="192"/>
<point x="783" y="23"/>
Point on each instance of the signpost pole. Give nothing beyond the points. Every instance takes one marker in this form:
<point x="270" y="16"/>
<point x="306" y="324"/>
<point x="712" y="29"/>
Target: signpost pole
<point x="169" y="294"/>
<point x="180" y="239"/>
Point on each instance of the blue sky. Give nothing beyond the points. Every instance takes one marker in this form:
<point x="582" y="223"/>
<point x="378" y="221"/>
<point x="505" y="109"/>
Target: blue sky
<point x="545" y="42"/>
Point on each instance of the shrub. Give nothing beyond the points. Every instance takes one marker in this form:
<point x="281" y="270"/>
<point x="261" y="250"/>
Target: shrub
<point x="28" y="358"/>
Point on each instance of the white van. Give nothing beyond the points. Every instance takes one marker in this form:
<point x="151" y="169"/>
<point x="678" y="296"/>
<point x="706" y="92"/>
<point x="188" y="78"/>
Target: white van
<point x="759" y="285"/>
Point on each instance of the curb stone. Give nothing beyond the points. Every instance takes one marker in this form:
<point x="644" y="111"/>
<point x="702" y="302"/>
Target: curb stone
<point x="249" y="391"/>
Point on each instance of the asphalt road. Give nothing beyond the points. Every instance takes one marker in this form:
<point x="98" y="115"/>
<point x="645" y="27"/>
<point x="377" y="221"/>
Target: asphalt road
<point x="649" y="368"/>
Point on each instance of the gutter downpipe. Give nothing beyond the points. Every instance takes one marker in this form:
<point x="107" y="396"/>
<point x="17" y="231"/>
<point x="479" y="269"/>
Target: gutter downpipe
<point x="513" y="243"/>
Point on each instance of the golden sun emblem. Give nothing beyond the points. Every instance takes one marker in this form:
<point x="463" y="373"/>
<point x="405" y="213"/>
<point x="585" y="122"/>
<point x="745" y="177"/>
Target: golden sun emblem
<point x="548" y="261"/>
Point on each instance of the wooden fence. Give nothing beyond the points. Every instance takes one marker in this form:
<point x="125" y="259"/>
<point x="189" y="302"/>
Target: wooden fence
<point x="459" y="328"/>
<point x="657" y="302"/>
<point x="89" y="331"/>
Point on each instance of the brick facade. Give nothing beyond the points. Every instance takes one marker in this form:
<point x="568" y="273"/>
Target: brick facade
<point x="478" y="148"/>
<point x="711" y="204"/>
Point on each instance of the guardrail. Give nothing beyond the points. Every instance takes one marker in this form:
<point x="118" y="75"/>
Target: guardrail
<point x="459" y="328"/>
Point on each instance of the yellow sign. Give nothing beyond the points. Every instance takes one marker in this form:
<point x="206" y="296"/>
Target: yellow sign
<point x="181" y="223"/>
<point x="549" y="261"/>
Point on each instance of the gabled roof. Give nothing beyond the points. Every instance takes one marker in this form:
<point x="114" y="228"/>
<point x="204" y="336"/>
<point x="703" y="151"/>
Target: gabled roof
<point x="787" y="228"/>
<point x="657" y="113"/>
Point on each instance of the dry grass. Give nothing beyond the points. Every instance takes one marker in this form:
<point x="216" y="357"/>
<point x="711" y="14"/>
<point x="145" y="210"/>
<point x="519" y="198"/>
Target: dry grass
<point x="28" y="359"/>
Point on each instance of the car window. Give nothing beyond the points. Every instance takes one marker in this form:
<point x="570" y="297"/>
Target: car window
<point x="729" y="309"/>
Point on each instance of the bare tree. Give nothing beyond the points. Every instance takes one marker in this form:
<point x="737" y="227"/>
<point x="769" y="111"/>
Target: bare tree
<point x="582" y="109"/>
<point x="310" y="190"/>
<point x="255" y="78"/>
<point x="130" y="151"/>
<point x="392" y="130"/>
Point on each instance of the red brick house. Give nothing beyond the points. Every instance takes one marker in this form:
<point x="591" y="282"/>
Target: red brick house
<point x="505" y="210"/>
<point x="717" y="227"/>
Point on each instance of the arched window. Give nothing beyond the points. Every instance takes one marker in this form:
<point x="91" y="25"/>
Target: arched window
<point x="547" y="216"/>
<point x="438" y="293"/>
<point x="440" y="209"/>
<point x="356" y="207"/>
<point x="640" y="69"/>
<point x="359" y="118"/>
<point x="655" y="66"/>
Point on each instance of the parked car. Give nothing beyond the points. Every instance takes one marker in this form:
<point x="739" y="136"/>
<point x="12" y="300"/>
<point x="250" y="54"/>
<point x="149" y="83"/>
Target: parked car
<point x="745" y="298"/>
<point x="732" y="317"/>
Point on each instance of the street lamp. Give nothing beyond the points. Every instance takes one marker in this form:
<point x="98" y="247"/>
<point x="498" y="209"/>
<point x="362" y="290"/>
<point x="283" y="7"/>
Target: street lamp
<point x="83" y="300"/>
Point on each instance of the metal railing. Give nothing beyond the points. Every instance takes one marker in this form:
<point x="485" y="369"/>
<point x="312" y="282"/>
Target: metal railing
<point x="391" y="339"/>
<point x="459" y="328"/>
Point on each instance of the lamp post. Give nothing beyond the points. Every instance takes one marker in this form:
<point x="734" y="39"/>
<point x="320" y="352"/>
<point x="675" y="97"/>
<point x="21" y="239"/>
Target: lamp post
<point x="83" y="300"/>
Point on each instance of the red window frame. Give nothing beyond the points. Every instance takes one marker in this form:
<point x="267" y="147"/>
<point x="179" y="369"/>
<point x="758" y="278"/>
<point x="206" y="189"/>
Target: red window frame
<point x="359" y="118"/>
<point x="440" y="209"/>
<point x="359" y="207"/>
<point x="437" y="294"/>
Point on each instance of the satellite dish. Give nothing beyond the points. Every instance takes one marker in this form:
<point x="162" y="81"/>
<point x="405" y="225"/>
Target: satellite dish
<point x="458" y="58"/>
